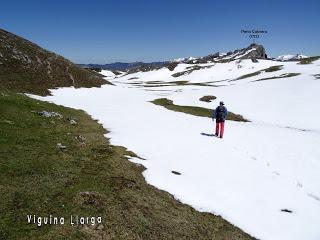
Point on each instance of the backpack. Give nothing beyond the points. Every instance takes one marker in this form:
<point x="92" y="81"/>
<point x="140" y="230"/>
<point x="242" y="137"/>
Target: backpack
<point x="220" y="112"/>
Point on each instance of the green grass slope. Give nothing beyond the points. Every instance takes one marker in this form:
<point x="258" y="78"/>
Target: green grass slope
<point x="26" y="67"/>
<point x="88" y="178"/>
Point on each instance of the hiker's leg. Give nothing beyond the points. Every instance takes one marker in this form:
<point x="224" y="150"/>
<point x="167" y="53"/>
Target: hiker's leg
<point x="221" y="129"/>
<point x="217" y="128"/>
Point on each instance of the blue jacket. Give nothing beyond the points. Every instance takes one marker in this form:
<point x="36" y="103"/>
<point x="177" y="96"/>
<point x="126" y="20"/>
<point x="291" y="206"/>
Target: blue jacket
<point x="220" y="113"/>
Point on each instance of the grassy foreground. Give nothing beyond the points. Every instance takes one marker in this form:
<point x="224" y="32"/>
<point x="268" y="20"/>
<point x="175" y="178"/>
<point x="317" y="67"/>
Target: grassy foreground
<point x="196" y="111"/>
<point x="88" y="178"/>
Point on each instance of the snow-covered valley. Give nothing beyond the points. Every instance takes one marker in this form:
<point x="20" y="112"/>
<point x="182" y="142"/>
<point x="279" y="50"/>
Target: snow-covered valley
<point x="262" y="177"/>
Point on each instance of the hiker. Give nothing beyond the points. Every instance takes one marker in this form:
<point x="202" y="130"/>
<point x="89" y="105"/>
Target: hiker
<point x="220" y="114"/>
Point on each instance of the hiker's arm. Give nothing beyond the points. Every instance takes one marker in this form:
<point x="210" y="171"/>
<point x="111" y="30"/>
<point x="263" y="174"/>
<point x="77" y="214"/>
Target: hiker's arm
<point x="225" y="112"/>
<point x="214" y="114"/>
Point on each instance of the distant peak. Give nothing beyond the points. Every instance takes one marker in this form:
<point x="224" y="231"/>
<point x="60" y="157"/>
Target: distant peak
<point x="290" y="57"/>
<point x="253" y="51"/>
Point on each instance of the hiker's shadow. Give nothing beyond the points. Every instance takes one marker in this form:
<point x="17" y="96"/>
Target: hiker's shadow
<point x="207" y="134"/>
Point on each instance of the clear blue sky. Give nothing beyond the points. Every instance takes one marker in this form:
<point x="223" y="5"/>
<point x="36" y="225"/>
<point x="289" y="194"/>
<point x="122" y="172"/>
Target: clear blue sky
<point x="100" y="31"/>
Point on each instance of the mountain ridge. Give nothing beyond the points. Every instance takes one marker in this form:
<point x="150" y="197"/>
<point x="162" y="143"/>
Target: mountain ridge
<point x="121" y="66"/>
<point x="253" y="51"/>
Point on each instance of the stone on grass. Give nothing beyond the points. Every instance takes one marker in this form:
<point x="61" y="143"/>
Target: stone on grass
<point x="50" y="114"/>
<point x="73" y="122"/>
<point x="8" y="122"/>
<point x="81" y="138"/>
<point x="60" y="146"/>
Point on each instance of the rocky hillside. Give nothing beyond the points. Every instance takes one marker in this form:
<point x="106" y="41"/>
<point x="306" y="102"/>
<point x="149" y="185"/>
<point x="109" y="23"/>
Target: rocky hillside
<point x="26" y="67"/>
